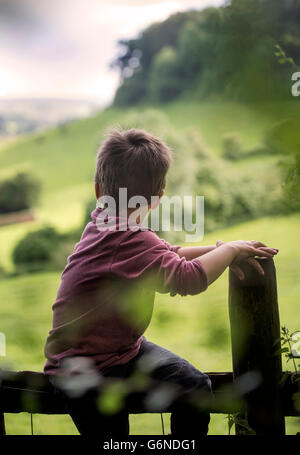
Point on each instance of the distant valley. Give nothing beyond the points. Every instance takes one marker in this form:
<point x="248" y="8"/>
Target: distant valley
<point x="24" y="115"/>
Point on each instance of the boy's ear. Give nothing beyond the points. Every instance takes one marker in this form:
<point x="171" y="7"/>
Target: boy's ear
<point x="157" y="201"/>
<point x="97" y="190"/>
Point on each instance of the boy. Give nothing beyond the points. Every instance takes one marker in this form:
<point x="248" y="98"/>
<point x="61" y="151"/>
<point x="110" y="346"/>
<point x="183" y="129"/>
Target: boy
<point x="105" y="300"/>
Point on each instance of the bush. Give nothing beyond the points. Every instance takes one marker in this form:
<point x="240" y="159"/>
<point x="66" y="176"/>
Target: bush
<point x="18" y="193"/>
<point x="233" y="196"/>
<point x="36" y="249"/>
<point x="283" y="138"/>
<point x="232" y="147"/>
<point x="291" y="185"/>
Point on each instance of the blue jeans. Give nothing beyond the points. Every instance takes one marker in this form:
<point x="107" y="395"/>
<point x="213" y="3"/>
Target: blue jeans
<point x="156" y="380"/>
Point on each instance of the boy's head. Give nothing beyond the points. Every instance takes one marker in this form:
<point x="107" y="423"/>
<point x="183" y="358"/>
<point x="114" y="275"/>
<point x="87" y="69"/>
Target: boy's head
<point x="132" y="159"/>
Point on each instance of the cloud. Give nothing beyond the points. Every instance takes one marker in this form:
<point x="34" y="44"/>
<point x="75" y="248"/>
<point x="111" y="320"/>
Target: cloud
<point x="18" y="13"/>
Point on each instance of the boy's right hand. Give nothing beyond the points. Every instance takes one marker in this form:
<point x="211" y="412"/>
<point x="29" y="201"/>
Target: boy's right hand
<point x="246" y="251"/>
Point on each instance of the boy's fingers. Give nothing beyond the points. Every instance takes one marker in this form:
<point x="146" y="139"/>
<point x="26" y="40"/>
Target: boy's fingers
<point x="256" y="265"/>
<point x="264" y="247"/>
<point x="262" y="253"/>
<point x="270" y="250"/>
<point x="238" y="271"/>
<point x="257" y="244"/>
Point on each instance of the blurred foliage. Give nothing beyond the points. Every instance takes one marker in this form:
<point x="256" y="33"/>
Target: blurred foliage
<point x="284" y="139"/>
<point x="112" y="398"/>
<point x="232" y="147"/>
<point x="35" y="251"/>
<point x="242" y="51"/>
<point x="19" y="193"/>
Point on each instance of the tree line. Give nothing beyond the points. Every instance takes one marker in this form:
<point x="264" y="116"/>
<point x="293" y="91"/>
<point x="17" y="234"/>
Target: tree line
<point x="245" y="51"/>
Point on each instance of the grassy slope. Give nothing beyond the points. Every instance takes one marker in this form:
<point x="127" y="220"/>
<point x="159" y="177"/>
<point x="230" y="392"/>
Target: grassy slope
<point x="196" y="328"/>
<point x="214" y="120"/>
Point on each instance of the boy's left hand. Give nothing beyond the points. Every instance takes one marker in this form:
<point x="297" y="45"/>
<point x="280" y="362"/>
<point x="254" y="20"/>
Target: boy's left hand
<point x="236" y="269"/>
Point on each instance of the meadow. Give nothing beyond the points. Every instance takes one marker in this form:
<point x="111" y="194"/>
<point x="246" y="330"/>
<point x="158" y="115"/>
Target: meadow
<point x="196" y="328"/>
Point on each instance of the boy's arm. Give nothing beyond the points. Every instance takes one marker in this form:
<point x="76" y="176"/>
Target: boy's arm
<point x="183" y="276"/>
<point x="144" y="254"/>
<point x="192" y="252"/>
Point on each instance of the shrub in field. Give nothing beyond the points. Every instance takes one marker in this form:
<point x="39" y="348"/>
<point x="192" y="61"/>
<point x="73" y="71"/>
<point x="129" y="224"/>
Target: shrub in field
<point x="36" y="249"/>
<point x="232" y="147"/>
<point x="18" y="193"/>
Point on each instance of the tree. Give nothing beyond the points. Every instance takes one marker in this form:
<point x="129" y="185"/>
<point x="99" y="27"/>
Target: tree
<point x="19" y="193"/>
<point x="164" y="79"/>
<point x="138" y="55"/>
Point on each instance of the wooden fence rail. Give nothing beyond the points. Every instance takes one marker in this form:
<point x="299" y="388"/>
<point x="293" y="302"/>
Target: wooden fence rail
<point x="253" y="390"/>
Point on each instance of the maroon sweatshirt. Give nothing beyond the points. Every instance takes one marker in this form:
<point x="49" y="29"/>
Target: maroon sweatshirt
<point x="105" y="299"/>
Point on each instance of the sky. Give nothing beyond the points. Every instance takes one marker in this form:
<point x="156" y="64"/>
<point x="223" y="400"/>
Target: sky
<point x="62" y="48"/>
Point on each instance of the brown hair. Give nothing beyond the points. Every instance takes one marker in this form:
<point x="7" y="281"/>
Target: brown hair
<point x="132" y="159"/>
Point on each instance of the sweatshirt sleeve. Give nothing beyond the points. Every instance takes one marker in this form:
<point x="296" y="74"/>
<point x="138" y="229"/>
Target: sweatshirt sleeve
<point x="174" y="248"/>
<point x="144" y="255"/>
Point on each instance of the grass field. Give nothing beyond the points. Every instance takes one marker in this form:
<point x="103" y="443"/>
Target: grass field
<point x="196" y="328"/>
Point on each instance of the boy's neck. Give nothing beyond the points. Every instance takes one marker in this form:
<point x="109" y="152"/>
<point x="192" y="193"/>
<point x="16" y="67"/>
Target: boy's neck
<point x="140" y="215"/>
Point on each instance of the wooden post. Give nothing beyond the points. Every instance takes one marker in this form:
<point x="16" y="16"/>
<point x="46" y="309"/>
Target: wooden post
<point x="2" y="421"/>
<point x="255" y="336"/>
<point x="2" y="424"/>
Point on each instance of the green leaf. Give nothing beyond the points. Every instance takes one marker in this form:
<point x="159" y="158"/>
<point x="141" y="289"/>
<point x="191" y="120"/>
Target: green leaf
<point x="283" y="379"/>
<point x="281" y="351"/>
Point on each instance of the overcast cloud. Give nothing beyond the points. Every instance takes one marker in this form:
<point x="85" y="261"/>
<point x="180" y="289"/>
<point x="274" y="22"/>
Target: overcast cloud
<point x="62" y="48"/>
